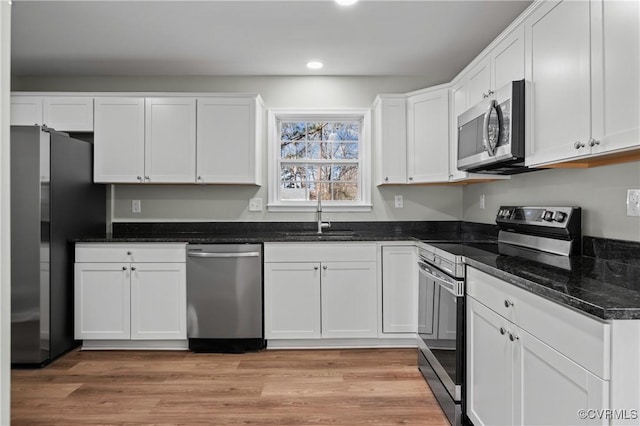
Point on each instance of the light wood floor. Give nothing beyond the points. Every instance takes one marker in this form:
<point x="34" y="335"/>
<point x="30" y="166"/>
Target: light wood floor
<point x="318" y="387"/>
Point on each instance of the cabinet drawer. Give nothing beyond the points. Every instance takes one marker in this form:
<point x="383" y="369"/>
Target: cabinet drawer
<point x="133" y="252"/>
<point x="320" y="252"/>
<point x="581" y="338"/>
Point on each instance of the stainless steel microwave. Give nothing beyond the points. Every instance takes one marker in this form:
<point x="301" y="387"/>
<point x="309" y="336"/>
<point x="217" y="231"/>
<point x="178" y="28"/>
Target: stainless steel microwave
<point x="491" y="133"/>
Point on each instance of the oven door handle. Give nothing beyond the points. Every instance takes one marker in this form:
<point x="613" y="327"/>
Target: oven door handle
<point x="454" y="287"/>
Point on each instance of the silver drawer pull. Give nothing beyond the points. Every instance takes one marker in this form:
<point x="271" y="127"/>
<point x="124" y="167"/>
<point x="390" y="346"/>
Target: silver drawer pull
<point x="221" y="255"/>
<point x="508" y="303"/>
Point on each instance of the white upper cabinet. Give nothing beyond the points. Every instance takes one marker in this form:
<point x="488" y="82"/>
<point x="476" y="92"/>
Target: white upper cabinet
<point x="479" y="82"/>
<point x="558" y="66"/>
<point x="458" y="99"/>
<point x="119" y="140"/>
<point x="390" y="118"/>
<point x="428" y="137"/>
<point x="616" y="85"/>
<point x="170" y="140"/>
<point x="575" y="108"/>
<point x="507" y="59"/>
<point x="63" y="113"/>
<point x="228" y="140"/>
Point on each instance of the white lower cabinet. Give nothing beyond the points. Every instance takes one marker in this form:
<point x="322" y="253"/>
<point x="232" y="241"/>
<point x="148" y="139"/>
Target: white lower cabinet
<point x="515" y="378"/>
<point x="118" y="298"/>
<point x="320" y="290"/>
<point x="399" y="289"/>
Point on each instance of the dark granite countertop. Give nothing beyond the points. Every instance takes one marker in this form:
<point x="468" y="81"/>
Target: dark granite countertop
<point x="606" y="287"/>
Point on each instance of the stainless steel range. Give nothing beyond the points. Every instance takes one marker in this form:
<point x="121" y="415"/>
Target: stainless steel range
<point x="544" y="234"/>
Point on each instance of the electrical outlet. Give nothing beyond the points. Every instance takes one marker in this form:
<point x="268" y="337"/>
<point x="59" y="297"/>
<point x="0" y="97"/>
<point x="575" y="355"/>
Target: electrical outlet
<point x="255" y="205"/>
<point x="633" y="202"/>
<point x="136" y="206"/>
<point x="399" y="200"/>
<point x="482" y="205"/>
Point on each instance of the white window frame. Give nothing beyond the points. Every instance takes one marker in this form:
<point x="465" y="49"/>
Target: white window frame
<point x="275" y="115"/>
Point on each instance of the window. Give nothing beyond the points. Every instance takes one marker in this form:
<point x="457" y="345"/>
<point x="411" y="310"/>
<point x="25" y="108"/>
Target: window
<point x="319" y="155"/>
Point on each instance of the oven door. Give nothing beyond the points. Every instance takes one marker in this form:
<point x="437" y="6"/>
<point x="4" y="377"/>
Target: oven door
<point x="441" y="326"/>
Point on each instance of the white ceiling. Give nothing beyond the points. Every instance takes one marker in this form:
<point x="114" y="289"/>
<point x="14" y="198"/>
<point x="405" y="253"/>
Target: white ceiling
<point x="251" y="38"/>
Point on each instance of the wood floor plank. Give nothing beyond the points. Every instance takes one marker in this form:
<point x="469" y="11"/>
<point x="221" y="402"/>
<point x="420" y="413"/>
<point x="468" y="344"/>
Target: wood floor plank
<point x="280" y="387"/>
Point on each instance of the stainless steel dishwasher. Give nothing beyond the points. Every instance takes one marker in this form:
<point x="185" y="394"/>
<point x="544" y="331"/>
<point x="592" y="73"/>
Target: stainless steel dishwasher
<point x="224" y="297"/>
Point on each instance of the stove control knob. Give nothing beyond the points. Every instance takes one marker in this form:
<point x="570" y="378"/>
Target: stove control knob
<point x="548" y="216"/>
<point x="559" y="217"/>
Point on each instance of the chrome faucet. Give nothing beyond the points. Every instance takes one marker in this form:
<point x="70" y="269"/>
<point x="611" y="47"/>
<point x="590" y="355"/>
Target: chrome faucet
<point x="321" y="224"/>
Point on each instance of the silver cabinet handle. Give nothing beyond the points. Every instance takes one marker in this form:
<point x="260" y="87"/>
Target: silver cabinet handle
<point x="578" y="145"/>
<point x="199" y="177"/>
<point x="129" y="253"/>
<point x="503" y="331"/>
<point x="508" y="303"/>
<point x="386" y="179"/>
<point x="220" y="255"/>
<point x="490" y="92"/>
<point x="315" y="268"/>
<point x="411" y="178"/>
<point x="147" y="178"/>
<point x="324" y="267"/>
<point x="124" y="268"/>
<point x="513" y="338"/>
<point x="593" y="142"/>
<point x="139" y="177"/>
<point x="133" y="268"/>
<point x="485" y="96"/>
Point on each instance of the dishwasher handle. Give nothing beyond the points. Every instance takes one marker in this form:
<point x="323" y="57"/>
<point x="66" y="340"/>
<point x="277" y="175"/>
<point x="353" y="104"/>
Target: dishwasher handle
<point x="222" y="255"/>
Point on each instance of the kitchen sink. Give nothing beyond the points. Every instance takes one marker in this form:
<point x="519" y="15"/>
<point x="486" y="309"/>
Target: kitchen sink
<point x="324" y="235"/>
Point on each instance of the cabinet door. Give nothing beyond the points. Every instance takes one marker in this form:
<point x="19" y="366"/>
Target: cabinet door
<point x="489" y="366"/>
<point x="458" y="105"/>
<point x="72" y="114"/>
<point x="507" y="59"/>
<point x="399" y="289"/>
<point x="118" y="154"/>
<point x="349" y="299"/>
<point x="391" y="140"/>
<point x="558" y="64"/>
<point x="479" y="81"/>
<point x="543" y="377"/>
<point x="26" y="111"/>
<point x="226" y="140"/>
<point x="158" y="301"/>
<point x="292" y="300"/>
<point x="170" y="140"/>
<point x="102" y="301"/>
<point x="428" y="137"/>
<point x="616" y="66"/>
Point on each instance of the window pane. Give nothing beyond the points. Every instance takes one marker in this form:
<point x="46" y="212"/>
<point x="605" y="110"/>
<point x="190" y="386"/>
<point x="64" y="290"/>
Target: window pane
<point x="315" y="131"/>
<point x="293" y="173"/>
<point x="318" y="151"/>
<point x="293" y="191"/>
<point x="349" y="131"/>
<point x="292" y="131"/>
<point x="344" y="151"/>
<point x="292" y="150"/>
<point x="344" y="172"/>
<point x="345" y="191"/>
<point x="322" y="188"/>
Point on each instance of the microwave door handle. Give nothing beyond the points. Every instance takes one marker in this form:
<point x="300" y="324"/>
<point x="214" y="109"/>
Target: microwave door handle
<point x="485" y="129"/>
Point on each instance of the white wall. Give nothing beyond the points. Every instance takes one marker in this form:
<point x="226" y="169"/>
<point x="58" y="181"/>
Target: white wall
<point x="5" y="237"/>
<point x="600" y="191"/>
<point x="230" y="203"/>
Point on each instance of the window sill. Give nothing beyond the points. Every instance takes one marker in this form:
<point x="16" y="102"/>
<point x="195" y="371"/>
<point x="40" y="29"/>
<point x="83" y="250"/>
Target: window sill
<point x="355" y="208"/>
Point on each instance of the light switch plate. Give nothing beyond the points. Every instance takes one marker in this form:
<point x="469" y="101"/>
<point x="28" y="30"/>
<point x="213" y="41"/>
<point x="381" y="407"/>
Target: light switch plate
<point x="255" y="205"/>
<point x="136" y="206"/>
<point x="633" y="202"/>
<point x="482" y="200"/>
<point x="399" y="201"/>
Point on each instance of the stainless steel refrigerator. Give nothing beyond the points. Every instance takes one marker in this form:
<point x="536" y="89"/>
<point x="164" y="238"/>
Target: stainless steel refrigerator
<point x="53" y="201"/>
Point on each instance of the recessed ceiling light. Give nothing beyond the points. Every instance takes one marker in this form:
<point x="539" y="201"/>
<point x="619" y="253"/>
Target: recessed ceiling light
<point x="346" y="2"/>
<point x="314" y="65"/>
